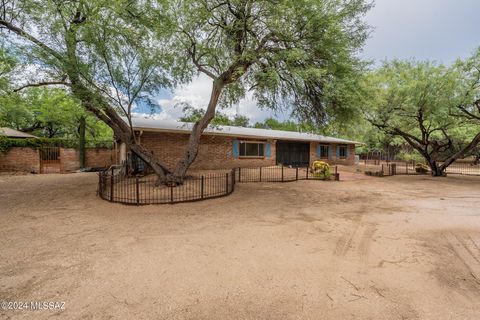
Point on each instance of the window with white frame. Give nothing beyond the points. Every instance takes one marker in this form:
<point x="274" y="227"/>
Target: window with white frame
<point x="252" y="149"/>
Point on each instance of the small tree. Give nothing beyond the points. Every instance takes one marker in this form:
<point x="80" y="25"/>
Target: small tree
<point x="432" y="107"/>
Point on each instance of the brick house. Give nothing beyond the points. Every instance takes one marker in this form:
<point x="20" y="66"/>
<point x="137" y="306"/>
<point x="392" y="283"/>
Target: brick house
<point x="224" y="147"/>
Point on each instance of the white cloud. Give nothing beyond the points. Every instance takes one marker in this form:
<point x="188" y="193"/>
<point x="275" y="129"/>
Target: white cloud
<point x="197" y="94"/>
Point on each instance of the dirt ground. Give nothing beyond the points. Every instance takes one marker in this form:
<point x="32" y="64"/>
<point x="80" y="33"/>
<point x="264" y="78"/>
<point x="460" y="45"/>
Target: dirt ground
<point x="404" y="247"/>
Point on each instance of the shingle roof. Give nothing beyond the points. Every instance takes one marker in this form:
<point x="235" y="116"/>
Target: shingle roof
<point x="12" y="133"/>
<point x="239" y="132"/>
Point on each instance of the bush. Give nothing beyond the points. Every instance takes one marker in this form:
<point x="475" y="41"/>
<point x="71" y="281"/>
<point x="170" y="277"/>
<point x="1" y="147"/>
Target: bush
<point x="321" y="170"/>
<point x="421" y="168"/>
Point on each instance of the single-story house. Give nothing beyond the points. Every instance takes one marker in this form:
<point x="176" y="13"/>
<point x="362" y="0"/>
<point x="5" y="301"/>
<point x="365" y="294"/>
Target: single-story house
<point x="229" y="147"/>
<point x="12" y="133"/>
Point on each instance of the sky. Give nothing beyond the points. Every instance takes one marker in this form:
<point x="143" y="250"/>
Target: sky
<point x="440" y="30"/>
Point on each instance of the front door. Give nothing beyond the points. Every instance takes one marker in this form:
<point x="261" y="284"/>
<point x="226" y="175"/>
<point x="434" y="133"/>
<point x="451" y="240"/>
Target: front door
<point x="295" y="154"/>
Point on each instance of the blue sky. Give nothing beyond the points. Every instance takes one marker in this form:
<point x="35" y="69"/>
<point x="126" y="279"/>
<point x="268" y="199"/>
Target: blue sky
<point x="440" y="30"/>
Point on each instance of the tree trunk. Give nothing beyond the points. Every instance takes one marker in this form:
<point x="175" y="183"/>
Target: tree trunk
<point x="437" y="169"/>
<point x="194" y="140"/>
<point x="81" y="141"/>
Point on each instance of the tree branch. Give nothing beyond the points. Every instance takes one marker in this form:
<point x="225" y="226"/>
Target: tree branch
<point x="42" y="84"/>
<point x="31" y="38"/>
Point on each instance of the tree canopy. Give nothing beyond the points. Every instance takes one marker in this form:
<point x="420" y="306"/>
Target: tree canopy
<point x="434" y="108"/>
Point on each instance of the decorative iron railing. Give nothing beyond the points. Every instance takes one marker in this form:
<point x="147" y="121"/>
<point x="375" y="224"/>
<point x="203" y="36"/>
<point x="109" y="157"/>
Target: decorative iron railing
<point x="138" y="190"/>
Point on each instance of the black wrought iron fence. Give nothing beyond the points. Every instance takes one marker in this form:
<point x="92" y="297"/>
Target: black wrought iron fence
<point x="137" y="190"/>
<point x="408" y="167"/>
<point x="140" y="190"/>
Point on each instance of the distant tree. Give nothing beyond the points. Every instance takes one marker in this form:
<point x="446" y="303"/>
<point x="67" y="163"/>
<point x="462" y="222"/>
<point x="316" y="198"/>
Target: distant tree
<point x="191" y="114"/>
<point x="434" y="108"/>
<point x="50" y="112"/>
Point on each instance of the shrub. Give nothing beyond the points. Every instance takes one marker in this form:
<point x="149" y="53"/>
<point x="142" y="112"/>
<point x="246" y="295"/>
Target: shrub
<point x="321" y="170"/>
<point x="421" y="168"/>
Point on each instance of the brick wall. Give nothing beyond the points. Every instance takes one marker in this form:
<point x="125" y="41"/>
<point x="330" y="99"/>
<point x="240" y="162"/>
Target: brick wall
<point x="350" y="160"/>
<point x="20" y="159"/>
<point x="28" y="159"/>
<point x="215" y="152"/>
<point x="93" y="158"/>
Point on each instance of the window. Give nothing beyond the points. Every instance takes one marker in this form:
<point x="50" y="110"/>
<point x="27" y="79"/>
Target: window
<point x="252" y="149"/>
<point x="324" y="151"/>
<point x="342" y="151"/>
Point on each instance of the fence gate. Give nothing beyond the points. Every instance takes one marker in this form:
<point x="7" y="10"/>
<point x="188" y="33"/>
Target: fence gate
<point x="50" y="160"/>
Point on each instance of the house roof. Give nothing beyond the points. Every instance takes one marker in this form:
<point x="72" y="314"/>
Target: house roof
<point x="239" y="132"/>
<point x="12" y="133"/>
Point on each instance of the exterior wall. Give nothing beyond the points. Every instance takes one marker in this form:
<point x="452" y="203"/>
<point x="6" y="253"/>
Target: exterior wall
<point x="215" y="152"/>
<point x="20" y="159"/>
<point x="350" y="160"/>
<point x="93" y="158"/>
<point x="28" y="159"/>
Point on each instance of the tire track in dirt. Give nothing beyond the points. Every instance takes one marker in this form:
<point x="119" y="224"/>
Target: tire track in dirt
<point x="467" y="252"/>
<point x="358" y="238"/>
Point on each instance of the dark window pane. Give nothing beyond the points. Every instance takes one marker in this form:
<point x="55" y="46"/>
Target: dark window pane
<point x="343" y="151"/>
<point x="242" y="148"/>
<point x="324" y="151"/>
<point x="261" y="148"/>
<point x="252" y="149"/>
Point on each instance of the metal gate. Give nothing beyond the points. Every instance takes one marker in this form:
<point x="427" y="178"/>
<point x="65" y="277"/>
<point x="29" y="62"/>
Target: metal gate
<point x="50" y="161"/>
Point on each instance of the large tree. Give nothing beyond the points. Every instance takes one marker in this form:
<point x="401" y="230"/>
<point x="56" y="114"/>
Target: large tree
<point x="109" y="54"/>
<point x="300" y="54"/>
<point x="434" y="108"/>
<point x="113" y="55"/>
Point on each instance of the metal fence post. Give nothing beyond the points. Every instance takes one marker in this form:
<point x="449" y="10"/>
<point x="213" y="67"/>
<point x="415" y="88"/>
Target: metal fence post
<point x="137" y="189"/>
<point x="171" y="193"/>
<point x="306" y="173"/>
<point x="111" y="186"/>
<point x="226" y="183"/>
<point x="296" y="173"/>
<point x="239" y="174"/>
<point x="282" y="172"/>
<point x="260" y="174"/>
<point x="202" y="186"/>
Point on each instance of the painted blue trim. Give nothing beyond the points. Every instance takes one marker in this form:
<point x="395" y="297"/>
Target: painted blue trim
<point x="319" y="151"/>
<point x="348" y="151"/>
<point x="235" y="148"/>
<point x="268" y="150"/>
<point x="338" y="151"/>
<point x="329" y="151"/>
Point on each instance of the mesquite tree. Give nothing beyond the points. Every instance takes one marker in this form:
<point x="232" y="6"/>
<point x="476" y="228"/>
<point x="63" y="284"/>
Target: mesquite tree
<point x="434" y="108"/>
<point x="112" y="54"/>
<point x="105" y="52"/>
<point x="297" y="54"/>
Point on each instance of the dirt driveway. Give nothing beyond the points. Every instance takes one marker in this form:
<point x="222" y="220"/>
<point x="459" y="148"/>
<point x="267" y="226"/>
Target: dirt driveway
<point x="381" y="248"/>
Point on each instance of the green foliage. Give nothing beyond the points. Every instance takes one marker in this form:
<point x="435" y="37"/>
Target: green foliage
<point x="192" y="114"/>
<point x="419" y="102"/>
<point x="321" y="170"/>
<point x="8" y="143"/>
<point x="49" y="113"/>
<point x="299" y="56"/>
